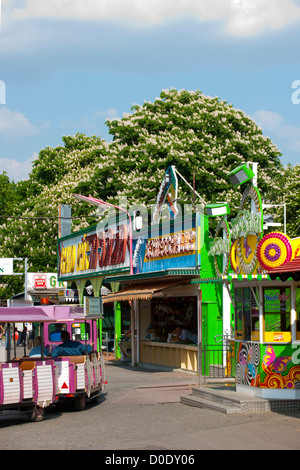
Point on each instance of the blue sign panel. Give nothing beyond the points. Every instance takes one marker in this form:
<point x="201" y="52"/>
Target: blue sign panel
<point x="167" y="249"/>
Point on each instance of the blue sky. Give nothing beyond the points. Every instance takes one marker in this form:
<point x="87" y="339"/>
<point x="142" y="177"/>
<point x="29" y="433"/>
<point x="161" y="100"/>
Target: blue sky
<point x="66" y="66"/>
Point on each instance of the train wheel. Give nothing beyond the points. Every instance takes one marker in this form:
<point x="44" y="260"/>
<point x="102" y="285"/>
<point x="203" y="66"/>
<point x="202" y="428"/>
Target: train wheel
<point x="38" y="414"/>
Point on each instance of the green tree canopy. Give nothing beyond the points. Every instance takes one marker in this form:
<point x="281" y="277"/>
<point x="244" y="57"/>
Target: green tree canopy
<point x="192" y="132"/>
<point x="8" y="195"/>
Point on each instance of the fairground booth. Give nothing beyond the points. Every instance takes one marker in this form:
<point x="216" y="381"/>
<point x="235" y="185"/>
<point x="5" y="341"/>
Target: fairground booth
<point x="261" y="274"/>
<point x="147" y="270"/>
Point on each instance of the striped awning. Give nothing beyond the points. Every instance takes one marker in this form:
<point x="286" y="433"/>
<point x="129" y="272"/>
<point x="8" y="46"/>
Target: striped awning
<point x="246" y="277"/>
<point x="207" y="280"/>
<point x="291" y="269"/>
<point x="231" y="277"/>
<point x="144" y="290"/>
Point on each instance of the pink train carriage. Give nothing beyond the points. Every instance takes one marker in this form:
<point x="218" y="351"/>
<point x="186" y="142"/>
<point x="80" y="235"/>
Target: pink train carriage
<point x="31" y="384"/>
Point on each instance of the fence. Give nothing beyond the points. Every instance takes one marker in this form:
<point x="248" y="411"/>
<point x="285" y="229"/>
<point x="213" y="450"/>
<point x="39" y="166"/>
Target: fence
<point x="218" y="360"/>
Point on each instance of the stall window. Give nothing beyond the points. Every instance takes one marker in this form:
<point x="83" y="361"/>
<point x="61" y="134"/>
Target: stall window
<point x="80" y="332"/>
<point x="125" y="316"/>
<point x="108" y="322"/>
<point x="254" y="315"/>
<point x="298" y="313"/>
<point x="246" y="314"/>
<point x="168" y="313"/>
<point x="54" y="331"/>
<point x="277" y="314"/>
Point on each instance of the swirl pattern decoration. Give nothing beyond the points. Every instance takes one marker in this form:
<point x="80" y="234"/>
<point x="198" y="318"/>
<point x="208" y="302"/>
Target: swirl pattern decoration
<point x="273" y="250"/>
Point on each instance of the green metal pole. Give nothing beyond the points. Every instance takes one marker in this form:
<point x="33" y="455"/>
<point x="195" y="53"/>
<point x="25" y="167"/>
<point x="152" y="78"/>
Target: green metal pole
<point x="118" y="321"/>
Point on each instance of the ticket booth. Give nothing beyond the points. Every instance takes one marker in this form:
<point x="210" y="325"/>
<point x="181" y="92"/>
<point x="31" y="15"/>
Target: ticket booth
<point x="262" y="279"/>
<point x="267" y="337"/>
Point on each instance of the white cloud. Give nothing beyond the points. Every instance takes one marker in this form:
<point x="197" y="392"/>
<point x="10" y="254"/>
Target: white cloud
<point x="14" y="124"/>
<point x="252" y="16"/>
<point x="241" y="17"/>
<point x="285" y="136"/>
<point x="16" y="169"/>
<point x="149" y="11"/>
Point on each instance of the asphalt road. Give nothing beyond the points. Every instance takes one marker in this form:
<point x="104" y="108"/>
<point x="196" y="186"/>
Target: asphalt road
<point x="141" y="410"/>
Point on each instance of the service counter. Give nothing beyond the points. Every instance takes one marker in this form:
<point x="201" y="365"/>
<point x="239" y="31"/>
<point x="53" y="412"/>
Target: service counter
<point x="176" y="355"/>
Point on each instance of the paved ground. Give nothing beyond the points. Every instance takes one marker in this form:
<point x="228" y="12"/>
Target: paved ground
<point x="141" y="410"/>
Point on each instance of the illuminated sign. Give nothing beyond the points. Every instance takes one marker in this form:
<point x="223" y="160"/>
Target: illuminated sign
<point x="246" y="223"/>
<point x="276" y="249"/>
<point x="96" y="251"/>
<point x="246" y="231"/>
<point x="240" y="237"/>
<point x="171" y="245"/>
<point x="105" y="249"/>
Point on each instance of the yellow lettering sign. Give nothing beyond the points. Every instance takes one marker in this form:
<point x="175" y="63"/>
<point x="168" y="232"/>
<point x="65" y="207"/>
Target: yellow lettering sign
<point x="68" y="259"/>
<point x="82" y="257"/>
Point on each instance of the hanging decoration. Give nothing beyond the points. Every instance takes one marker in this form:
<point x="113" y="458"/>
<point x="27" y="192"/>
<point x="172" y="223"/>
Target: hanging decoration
<point x="167" y="194"/>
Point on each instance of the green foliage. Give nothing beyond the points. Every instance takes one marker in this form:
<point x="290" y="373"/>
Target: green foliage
<point x="290" y="194"/>
<point x="195" y="133"/>
<point x="8" y="195"/>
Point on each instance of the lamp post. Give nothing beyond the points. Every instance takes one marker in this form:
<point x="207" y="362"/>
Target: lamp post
<point x="99" y="202"/>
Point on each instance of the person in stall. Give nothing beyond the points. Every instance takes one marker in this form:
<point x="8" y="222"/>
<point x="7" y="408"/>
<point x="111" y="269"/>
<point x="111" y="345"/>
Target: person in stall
<point x="36" y="351"/>
<point x="69" y="347"/>
<point x="185" y="336"/>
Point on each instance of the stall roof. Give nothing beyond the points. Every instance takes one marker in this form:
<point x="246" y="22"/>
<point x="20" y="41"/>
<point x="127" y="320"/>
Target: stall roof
<point x="40" y="313"/>
<point x="284" y="272"/>
<point x="175" y="273"/>
<point x="143" y="290"/>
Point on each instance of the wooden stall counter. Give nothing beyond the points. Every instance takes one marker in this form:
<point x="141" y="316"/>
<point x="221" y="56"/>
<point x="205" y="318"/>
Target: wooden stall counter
<point x="176" y="355"/>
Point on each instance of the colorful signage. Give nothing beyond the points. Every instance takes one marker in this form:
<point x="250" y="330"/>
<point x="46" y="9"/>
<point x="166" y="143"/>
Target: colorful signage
<point x="275" y="249"/>
<point x="44" y="281"/>
<point x="40" y="282"/>
<point x="180" y="243"/>
<point x="6" y="266"/>
<point x="250" y="253"/>
<point x="220" y="248"/>
<point x="93" y="307"/>
<point x="104" y="249"/>
<point x="173" y="250"/>
<point x="246" y="231"/>
<point x="242" y="234"/>
<point x="96" y="251"/>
